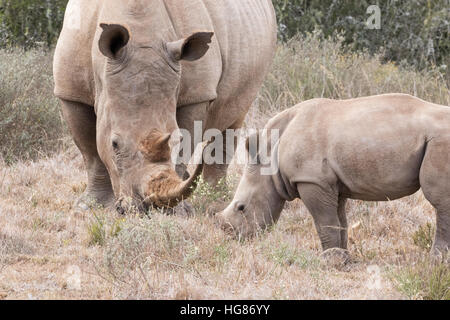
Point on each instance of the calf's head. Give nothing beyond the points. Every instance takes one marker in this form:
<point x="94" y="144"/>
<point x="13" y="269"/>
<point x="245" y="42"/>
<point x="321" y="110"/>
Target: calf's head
<point x="256" y="204"/>
<point x="137" y="93"/>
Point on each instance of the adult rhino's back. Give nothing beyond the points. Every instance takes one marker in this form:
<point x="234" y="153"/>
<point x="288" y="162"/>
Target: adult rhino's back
<point x="246" y="30"/>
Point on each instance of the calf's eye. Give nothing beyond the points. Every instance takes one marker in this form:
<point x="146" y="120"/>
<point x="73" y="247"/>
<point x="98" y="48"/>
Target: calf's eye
<point x="241" y="208"/>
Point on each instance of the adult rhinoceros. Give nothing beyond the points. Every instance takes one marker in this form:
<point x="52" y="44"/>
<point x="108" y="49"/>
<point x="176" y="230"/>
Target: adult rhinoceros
<point x="131" y="72"/>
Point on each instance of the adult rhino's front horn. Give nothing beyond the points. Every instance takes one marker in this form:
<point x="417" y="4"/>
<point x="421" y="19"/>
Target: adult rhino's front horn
<point x="167" y="189"/>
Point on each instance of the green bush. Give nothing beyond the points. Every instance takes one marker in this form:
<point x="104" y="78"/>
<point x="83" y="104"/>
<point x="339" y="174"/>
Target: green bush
<point x="412" y="31"/>
<point x="426" y="280"/>
<point x="205" y="198"/>
<point x="30" y="121"/>
<point x="28" y="23"/>
<point x="416" y="31"/>
<point x="423" y="237"/>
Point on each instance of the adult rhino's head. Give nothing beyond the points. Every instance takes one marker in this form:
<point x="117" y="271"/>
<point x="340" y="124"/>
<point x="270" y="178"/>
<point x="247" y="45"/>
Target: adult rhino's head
<point x="137" y="94"/>
<point x="257" y="203"/>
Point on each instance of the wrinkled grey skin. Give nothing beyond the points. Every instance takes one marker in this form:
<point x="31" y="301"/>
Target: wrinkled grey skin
<point x="375" y="148"/>
<point x="130" y="72"/>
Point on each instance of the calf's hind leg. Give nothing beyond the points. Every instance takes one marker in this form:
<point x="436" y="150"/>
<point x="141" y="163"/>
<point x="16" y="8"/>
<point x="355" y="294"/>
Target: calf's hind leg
<point x="323" y="206"/>
<point x="81" y="120"/>
<point x="435" y="183"/>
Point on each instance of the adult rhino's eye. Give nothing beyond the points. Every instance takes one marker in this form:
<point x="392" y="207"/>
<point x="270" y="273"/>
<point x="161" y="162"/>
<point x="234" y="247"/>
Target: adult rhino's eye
<point x="115" y="145"/>
<point x="240" y="208"/>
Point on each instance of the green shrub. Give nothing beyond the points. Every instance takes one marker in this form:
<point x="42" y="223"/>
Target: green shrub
<point x="415" y="30"/>
<point x="284" y="255"/>
<point x="97" y="231"/>
<point x="426" y="280"/>
<point x="30" y="121"/>
<point x="423" y="238"/>
<point x="221" y="254"/>
<point x="28" y="23"/>
<point x="205" y="197"/>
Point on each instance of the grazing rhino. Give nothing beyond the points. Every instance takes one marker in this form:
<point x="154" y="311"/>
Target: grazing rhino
<point x="375" y="148"/>
<point x="131" y="72"/>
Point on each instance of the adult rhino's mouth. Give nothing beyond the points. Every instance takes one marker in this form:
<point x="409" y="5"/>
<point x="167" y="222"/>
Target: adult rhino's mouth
<point x="126" y="205"/>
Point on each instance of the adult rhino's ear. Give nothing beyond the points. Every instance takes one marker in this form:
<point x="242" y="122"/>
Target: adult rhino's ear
<point x="191" y="48"/>
<point x="113" y="39"/>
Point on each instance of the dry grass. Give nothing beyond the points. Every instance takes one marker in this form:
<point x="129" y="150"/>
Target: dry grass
<point x="162" y="257"/>
<point x="30" y="122"/>
<point x="46" y="246"/>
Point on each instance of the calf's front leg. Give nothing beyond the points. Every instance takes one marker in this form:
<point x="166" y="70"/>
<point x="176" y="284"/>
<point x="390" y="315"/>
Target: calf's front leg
<point x="323" y="206"/>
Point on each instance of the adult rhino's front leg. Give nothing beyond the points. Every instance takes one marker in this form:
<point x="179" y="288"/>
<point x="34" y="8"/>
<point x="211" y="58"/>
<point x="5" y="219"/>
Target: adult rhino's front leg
<point x="217" y="168"/>
<point x="192" y="118"/>
<point x="81" y="120"/>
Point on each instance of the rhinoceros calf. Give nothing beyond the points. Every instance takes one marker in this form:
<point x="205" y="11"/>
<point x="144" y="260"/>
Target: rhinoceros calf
<point x="131" y="72"/>
<point x="375" y="148"/>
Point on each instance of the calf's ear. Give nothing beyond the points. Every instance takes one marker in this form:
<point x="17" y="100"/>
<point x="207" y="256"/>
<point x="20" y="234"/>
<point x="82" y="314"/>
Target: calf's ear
<point x="113" y="40"/>
<point x="191" y="48"/>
